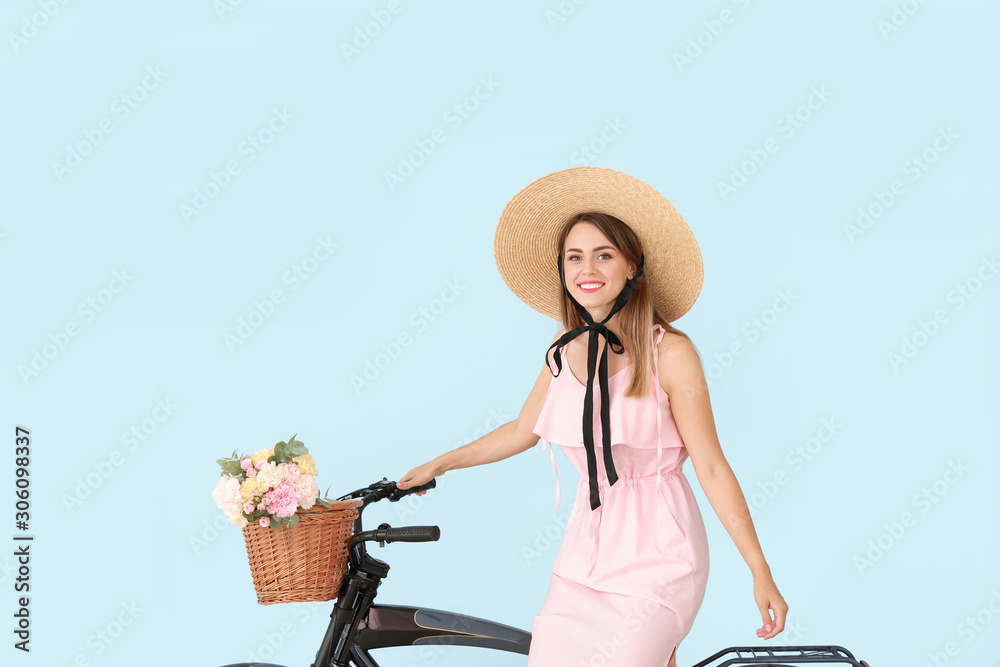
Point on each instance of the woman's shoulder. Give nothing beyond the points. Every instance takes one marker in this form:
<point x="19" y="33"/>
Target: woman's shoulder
<point x="672" y="344"/>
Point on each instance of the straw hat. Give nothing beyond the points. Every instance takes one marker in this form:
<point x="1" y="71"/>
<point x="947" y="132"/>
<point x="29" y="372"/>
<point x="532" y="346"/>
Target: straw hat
<point x="525" y="241"/>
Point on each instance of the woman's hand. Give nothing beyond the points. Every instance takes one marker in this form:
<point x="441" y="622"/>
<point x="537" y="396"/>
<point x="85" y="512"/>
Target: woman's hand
<point x="765" y="592"/>
<point x="419" y="475"/>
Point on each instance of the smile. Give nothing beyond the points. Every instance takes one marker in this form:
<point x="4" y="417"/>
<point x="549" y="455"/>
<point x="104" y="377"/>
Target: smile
<point x="591" y="286"/>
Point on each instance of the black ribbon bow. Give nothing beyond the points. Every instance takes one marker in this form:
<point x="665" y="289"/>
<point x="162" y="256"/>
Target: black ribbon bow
<point x="596" y="329"/>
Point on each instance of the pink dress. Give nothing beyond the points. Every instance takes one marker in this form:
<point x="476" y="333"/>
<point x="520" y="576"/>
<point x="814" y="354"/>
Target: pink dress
<point x="630" y="576"/>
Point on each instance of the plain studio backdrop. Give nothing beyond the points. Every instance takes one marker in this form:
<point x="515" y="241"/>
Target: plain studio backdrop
<point x="225" y="223"/>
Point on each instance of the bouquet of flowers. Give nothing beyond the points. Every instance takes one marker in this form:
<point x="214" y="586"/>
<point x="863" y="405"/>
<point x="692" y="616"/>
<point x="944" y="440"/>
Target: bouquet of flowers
<point x="269" y="486"/>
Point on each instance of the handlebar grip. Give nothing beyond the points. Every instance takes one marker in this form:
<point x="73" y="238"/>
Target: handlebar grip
<point x="408" y="534"/>
<point x="398" y="493"/>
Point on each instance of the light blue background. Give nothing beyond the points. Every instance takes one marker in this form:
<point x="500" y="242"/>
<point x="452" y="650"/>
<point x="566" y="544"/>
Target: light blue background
<point x="150" y="535"/>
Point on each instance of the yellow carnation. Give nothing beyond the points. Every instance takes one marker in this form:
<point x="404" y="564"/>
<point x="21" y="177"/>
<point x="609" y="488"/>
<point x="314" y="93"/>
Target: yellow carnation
<point x="262" y="455"/>
<point x="248" y="487"/>
<point x="305" y="464"/>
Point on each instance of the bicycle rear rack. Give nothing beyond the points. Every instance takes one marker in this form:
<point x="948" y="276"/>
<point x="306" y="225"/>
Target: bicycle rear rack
<point x="782" y="656"/>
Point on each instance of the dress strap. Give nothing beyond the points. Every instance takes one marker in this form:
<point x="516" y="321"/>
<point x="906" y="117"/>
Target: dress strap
<point x="552" y="363"/>
<point x="659" y="431"/>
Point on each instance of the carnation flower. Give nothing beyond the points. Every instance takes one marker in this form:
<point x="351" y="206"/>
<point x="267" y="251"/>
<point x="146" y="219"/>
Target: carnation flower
<point x="275" y="490"/>
<point x="262" y="455"/>
<point x="282" y="500"/>
<point x="307" y="489"/>
<point x="229" y="499"/>
<point x="247" y="488"/>
<point x="305" y="464"/>
<point x="272" y="474"/>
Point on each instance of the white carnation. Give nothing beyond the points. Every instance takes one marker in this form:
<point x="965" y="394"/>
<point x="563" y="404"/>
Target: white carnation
<point x="271" y="475"/>
<point x="227" y="496"/>
<point x="307" y="489"/>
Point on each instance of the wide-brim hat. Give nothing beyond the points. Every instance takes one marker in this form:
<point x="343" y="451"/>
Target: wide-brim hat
<point x="524" y="245"/>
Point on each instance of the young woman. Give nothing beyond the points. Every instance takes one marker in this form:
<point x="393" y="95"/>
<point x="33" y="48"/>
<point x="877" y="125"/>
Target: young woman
<point x="611" y="258"/>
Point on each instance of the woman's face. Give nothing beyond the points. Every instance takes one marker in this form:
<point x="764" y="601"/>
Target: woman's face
<point x="595" y="270"/>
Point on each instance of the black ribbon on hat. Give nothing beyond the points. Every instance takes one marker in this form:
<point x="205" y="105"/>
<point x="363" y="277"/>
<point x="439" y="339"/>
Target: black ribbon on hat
<point x="596" y="329"/>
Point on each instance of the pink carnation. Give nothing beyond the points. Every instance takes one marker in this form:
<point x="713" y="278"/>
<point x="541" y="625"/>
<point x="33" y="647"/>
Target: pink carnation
<point x="265" y="521"/>
<point x="282" y="500"/>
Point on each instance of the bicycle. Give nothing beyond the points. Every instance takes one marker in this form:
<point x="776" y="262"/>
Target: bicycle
<point x="358" y="625"/>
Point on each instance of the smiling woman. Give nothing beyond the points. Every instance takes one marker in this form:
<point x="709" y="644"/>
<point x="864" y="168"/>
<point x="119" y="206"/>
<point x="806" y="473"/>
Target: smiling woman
<point x="608" y="256"/>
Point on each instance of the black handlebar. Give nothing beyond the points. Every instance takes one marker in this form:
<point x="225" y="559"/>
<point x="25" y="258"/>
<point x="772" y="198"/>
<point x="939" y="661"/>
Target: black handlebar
<point x="385" y="534"/>
<point x="386" y="489"/>
<point x="400" y="493"/>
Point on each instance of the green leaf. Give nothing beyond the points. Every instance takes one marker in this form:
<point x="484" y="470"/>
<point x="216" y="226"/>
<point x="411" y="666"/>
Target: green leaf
<point x="292" y="520"/>
<point x="231" y="467"/>
<point x="320" y="501"/>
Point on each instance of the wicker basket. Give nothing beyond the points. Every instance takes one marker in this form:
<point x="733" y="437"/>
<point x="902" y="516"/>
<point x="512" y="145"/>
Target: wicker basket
<point x="306" y="562"/>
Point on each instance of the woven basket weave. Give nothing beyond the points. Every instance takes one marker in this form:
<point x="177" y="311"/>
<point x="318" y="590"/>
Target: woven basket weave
<point x="306" y="562"/>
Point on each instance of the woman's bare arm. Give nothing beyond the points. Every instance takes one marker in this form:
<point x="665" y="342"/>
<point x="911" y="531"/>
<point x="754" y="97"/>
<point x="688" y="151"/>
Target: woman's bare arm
<point x="692" y="411"/>
<point x="502" y="442"/>
<point x="688" y="391"/>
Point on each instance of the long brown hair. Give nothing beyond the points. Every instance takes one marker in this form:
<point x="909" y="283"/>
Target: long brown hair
<point x="638" y="316"/>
